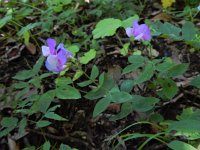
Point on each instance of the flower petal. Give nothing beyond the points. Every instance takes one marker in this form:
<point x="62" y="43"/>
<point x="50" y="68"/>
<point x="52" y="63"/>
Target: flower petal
<point x="51" y="44"/>
<point x="45" y="51"/>
<point x="52" y="64"/>
<point x="129" y="32"/>
<point x="135" y="24"/>
<point x="62" y="56"/>
<point x="60" y="46"/>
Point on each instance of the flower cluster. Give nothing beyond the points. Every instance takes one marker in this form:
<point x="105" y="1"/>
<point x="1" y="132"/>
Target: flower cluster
<point x="140" y="32"/>
<point x="56" y="57"/>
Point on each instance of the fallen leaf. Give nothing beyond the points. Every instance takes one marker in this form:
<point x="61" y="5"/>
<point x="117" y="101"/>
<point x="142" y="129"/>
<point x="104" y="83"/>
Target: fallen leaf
<point x="162" y="16"/>
<point x="31" y="48"/>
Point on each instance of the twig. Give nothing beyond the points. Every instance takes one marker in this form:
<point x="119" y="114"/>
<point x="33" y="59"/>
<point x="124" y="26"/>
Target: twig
<point x="173" y="100"/>
<point x="64" y="139"/>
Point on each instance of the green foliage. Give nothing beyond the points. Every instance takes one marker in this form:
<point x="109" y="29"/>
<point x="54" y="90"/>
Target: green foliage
<point x="146" y="82"/>
<point x="106" y="27"/>
<point x="196" y="82"/>
<point x="188" y="32"/>
<point x="177" y="145"/>
<point x="88" y="56"/>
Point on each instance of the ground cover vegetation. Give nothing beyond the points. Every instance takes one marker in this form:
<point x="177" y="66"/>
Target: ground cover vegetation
<point x="99" y="74"/>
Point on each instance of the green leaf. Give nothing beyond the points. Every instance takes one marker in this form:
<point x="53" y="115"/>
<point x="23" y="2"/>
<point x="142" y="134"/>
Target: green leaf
<point x="46" y="146"/>
<point x="77" y="75"/>
<point x="84" y="83"/>
<point x="27" y="28"/>
<point x="136" y="60"/>
<point x="23" y="75"/>
<point x="143" y="104"/>
<point x="6" y="131"/>
<point x="9" y="122"/>
<point x="26" y="37"/>
<point x="74" y="49"/>
<point x="179" y="145"/>
<point x="5" y="20"/>
<point x="42" y="123"/>
<point x="20" y="85"/>
<point x="146" y="74"/>
<point x="94" y="72"/>
<point x="105" y="84"/>
<point x="44" y="102"/>
<point x="63" y="81"/>
<point x="189" y="113"/>
<point x="52" y="115"/>
<point x="88" y="56"/>
<point x="127" y="85"/>
<point x="177" y="70"/>
<point x="188" y="31"/>
<point x="188" y="125"/>
<point x="126" y="109"/>
<point x="169" y="87"/>
<point x="129" y="22"/>
<point x="38" y="65"/>
<point x="101" y="106"/>
<point x="22" y="126"/>
<point x="106" y="27"/>
<point x="196" y="82"/>
<point x="63" y="147"/>
<point x="124" y="50"/>
<point x="170" y="30"/>
<point x="120" y="97"/>
<point x="68" y="92"/>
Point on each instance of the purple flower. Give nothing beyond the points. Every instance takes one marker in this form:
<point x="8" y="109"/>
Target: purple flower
<point x="56" y="57"/>
<point x="140" y="32"/>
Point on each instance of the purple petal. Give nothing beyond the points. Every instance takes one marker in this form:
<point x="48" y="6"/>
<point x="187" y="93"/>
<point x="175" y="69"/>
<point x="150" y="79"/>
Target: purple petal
<point x="129" y="32"/>
<point x="45" y="51"/>
<point x="53" y="64"/>
<point x="139" y="37"/>
<point x="142" y="32"/>
<point x="135" y="24"/>
<point x="60" y="46"/>
<point x="51" y="44"/>
<point x="147" y="34"/>
<point x="62" y="56"/>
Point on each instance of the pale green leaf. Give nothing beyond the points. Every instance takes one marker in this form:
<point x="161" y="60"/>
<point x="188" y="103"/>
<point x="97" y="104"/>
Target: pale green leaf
<point x="106" y="27"/>
<point x="88" y="56"/>
<point x="179" y="145"/>
<point x="46" y="146"/>
<point x="129" y="22"/>
<point x="52" y="115"/>
<point x="42" y="123"/>
<point x="68" y="92"/>
<point x="5" y="20"/>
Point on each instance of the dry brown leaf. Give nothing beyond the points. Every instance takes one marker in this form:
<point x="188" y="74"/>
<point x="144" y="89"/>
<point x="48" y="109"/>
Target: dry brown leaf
<point x="162" y="16"/>
<point x="31" y="48"/>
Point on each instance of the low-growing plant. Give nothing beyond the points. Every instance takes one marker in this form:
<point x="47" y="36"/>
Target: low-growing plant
<point x="153" y="84"/>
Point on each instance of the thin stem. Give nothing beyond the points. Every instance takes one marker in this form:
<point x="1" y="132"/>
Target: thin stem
<point x="30" y="6"/>
<point x="142" y="122"/>
<point x="119" y="40"/>
<point x="150" y="138"/>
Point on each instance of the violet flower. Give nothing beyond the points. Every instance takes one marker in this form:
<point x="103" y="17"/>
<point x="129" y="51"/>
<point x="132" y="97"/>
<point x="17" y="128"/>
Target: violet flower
<point x="140" y="32"/>
<point x="56" y="57"/>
